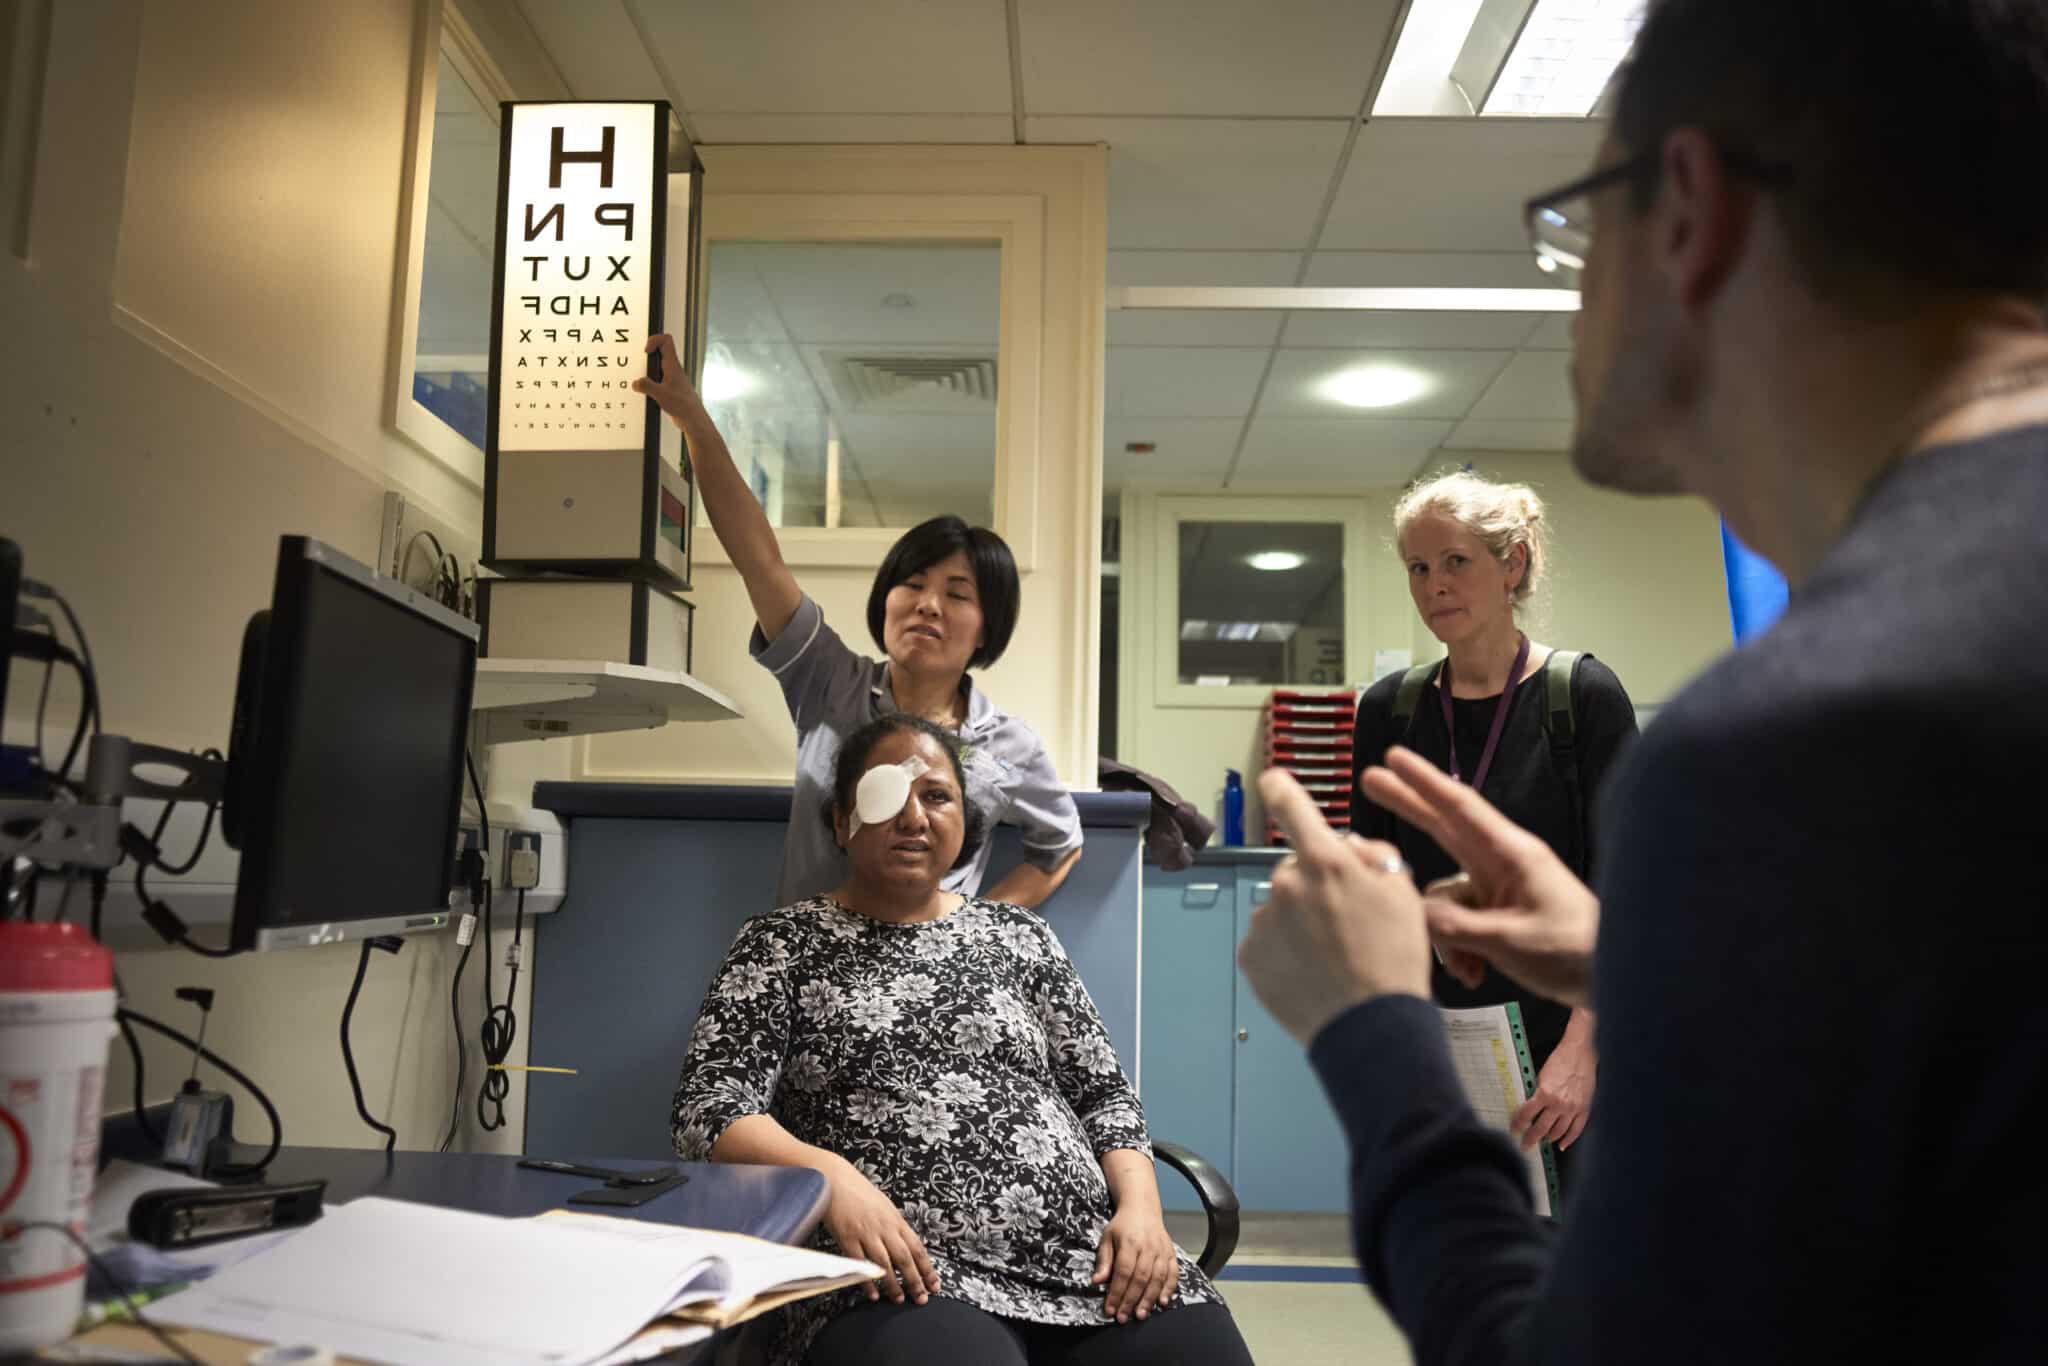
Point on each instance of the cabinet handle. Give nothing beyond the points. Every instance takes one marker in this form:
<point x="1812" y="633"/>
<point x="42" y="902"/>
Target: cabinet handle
<point x="1206" y="888"/>
<point x="1243" y="1034"/>
<point x="1261" y="891"/>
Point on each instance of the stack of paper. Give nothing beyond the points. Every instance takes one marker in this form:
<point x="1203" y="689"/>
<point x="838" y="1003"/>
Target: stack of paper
<point x="1490" y="1051"/>
<point x="388" y="1281"/>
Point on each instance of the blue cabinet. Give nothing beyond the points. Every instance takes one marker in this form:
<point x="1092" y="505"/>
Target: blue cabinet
<point x="1290" y="1150"/>
<point x="1217" y="1073"/>
<point x="1185" y="1032"/>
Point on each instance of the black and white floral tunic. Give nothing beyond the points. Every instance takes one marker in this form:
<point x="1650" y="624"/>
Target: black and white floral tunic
<point x="959" y="1064"/>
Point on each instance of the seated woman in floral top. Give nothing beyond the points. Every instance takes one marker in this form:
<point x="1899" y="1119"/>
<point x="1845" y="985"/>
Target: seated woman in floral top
<point x="938" y="1060"/>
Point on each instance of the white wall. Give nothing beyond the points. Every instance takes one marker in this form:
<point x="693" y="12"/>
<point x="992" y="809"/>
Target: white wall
<point x="1637" y="581"/>
<point x="194" y="362"/>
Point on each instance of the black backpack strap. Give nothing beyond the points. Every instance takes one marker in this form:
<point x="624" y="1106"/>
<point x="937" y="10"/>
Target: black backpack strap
<point x="1409" y="696"/>
<point x="1559" y="727"/>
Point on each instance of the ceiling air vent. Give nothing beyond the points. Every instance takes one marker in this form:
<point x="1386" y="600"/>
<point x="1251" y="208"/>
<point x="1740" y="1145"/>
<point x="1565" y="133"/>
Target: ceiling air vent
<point x="915" y="383"/>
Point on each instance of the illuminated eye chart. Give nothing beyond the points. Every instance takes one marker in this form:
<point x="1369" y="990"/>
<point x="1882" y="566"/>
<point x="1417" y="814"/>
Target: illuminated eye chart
<point x="578" y="257"/>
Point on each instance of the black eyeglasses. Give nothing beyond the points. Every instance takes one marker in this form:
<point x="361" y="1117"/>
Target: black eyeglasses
<point x="1560" y="223"/>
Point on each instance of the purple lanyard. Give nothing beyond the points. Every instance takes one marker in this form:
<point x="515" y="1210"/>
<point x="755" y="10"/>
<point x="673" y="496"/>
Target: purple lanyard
<point x="1500" y="716"/>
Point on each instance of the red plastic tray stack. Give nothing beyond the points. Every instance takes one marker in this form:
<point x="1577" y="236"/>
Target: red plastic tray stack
<point x="1309" y="735"/>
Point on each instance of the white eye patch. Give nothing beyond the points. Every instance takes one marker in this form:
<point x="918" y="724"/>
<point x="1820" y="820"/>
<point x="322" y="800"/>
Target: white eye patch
<point x="883" y="791"/>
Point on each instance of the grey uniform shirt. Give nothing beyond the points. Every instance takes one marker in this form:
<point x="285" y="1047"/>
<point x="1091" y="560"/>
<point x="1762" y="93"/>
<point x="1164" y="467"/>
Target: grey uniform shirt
<point x="833" y="692"/>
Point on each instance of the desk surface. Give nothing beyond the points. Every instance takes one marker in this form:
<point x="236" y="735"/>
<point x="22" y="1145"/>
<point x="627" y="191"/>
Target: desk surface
<point x="779" y="1203"/>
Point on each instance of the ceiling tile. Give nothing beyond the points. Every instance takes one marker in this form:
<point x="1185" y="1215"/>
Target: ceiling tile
<point x="1204" y="183"/>
<point x="833" y="292"/>
<point x="1171" y="381"/>
<point x="1360" y="451"/>
<point x="1453" y="184"/>
<point x="1554" y="333"/>
<point x="1458" y="379"/>
<point x="1192" y="451"/>
<point x="1482" y="434"/>
<point x="1277" y="58"/>
<point x="1192" y="327"/>
<point x="919" y="446"/>
<point x="1275" y="268"/>
<point x="830" y="57"/>
<point x="1425" y="269"/>
<point x="776" y="378"/>
<point x="1369" y="328"/>
<point x="739" y="307"/>
<point x="867" y="129"/>
<point x="1536" y="384"/>
<point x="596" y="48"/>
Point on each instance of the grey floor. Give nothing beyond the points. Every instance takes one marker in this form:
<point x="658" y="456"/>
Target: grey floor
<point x="1300" y="1323"/>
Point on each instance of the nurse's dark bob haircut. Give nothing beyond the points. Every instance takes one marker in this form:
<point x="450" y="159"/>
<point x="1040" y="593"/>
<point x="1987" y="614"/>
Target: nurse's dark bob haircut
<point x="995" y="578"/>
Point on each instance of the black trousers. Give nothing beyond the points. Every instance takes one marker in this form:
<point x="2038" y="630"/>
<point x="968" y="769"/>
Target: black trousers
<point x="946" y="1332"/>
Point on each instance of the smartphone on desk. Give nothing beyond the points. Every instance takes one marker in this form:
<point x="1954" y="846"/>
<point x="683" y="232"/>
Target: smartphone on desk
<point x="626" y="1196"/>
<point x="651" y="1176"/>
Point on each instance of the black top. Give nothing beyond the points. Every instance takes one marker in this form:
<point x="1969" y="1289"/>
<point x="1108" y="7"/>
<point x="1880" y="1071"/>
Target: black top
<point x="1523" y="782"/>
<point x="1823" y="1048"/>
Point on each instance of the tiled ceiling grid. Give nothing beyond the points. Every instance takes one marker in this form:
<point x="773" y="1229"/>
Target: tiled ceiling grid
<point x="1240" y="154"/>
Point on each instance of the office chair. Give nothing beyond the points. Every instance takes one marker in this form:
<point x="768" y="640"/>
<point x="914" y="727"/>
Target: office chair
<point x="1219" y="1202"/>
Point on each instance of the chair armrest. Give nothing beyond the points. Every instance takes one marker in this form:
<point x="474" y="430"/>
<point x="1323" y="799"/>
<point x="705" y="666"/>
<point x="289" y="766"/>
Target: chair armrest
<point x="1219" y="1202"/>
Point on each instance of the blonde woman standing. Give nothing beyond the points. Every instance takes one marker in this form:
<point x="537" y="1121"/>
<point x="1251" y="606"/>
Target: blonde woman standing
<point x="1535" y="730"/>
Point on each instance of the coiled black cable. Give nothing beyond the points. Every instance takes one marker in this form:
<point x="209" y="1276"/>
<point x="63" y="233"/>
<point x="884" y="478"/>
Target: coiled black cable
<point x="500" y="1028"/>
<point x="348" y="1053"/>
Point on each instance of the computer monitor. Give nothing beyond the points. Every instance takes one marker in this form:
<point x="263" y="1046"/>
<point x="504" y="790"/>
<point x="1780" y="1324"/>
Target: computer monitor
<point x="345" y="766"/>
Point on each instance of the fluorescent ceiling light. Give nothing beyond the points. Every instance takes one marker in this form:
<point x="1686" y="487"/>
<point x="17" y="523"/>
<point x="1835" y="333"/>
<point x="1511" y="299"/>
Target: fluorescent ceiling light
<point x="722" y="382"/>
<point x="1432" y="299"/>
<point x="1456" y="58"/>
<point x="1418" y="79"/>
<point x="1240" y="632"/>
<point x="1276" y="560"/>
<point x="1375" y="386"/>
<point x="1561" y="59"/>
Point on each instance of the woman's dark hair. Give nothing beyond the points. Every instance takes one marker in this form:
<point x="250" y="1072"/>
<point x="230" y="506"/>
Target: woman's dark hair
<point x="852" y="765"/>
<point x="995" y="578"/>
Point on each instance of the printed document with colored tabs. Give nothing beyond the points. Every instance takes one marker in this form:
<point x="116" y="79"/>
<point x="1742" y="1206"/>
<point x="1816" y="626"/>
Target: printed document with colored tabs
<point x="1490" y="1050"/>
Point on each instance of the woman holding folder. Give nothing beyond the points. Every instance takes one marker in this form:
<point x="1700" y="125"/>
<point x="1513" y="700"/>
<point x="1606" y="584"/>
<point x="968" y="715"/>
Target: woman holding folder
<point x="1534" y="729"/>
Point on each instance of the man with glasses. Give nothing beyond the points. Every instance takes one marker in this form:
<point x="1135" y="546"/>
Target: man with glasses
<point x="1813" y="258"/>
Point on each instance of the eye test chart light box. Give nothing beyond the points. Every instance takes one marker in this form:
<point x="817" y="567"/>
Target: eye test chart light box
<point x="587" y="243"/>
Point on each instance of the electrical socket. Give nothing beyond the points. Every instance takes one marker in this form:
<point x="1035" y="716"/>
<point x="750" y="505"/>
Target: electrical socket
<point x="522" y="861"/>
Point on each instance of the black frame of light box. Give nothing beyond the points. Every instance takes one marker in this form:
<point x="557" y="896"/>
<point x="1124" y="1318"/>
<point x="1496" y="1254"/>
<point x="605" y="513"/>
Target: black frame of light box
<point x="645" y="566"/>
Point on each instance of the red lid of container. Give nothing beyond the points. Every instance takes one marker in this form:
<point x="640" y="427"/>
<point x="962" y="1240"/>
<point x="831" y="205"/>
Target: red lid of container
<point x="59" y="957"/>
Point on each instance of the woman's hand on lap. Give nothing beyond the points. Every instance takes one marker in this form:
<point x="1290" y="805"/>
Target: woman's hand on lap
<point x="1138" y="1262"/>
<point x="866" y="1223"/>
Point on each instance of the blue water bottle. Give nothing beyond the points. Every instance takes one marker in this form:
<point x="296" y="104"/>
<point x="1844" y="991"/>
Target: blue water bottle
<point x="1233" y="807"/>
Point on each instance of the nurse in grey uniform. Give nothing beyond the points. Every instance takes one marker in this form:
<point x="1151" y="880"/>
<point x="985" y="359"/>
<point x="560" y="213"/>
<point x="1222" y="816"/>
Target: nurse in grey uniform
<point x="944" y="601"/>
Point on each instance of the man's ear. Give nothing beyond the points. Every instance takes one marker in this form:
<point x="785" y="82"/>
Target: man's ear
<point x="1701" y="219"/>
